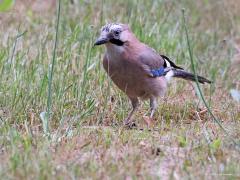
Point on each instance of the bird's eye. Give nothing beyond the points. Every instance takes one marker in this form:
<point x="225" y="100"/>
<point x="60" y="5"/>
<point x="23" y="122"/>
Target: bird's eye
<point x="116" y="33"/>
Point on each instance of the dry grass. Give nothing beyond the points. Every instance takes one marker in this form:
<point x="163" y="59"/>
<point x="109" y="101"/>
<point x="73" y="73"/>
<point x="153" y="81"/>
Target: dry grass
<point x="87" y="139"/>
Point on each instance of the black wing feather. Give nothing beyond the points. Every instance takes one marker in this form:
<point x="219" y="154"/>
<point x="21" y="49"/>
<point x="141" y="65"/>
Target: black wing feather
<point x="171" y="63"/>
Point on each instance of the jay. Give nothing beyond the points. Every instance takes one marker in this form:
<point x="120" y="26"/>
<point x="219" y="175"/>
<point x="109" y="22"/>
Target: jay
<point x="138" y="70"/>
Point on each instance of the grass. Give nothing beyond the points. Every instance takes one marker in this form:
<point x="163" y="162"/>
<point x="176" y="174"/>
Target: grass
<point x="87" y="139"/>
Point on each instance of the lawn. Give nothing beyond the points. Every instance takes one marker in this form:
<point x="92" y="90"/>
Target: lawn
<point x="84" y="138"/>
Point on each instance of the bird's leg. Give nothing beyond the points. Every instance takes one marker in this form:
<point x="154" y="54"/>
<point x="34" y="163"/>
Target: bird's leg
<point x="153" y="106"/>
<point x="135" y="104"/>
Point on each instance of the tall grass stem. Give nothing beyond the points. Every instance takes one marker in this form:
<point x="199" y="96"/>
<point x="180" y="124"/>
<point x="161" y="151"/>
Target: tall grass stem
<point x="51" y="66"/>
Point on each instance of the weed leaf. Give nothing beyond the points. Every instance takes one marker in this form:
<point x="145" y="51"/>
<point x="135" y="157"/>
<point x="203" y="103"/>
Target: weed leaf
<point x="44" y="118"/>
<point x="6" y="5"/>
<point x="235" y="94"/>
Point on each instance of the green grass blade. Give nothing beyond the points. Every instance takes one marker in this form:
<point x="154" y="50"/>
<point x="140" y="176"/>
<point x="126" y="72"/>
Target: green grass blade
<point x="51" y="66"/>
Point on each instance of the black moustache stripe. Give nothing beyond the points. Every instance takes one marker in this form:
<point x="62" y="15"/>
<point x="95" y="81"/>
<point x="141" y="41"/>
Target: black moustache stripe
<point x="117" y="42"/>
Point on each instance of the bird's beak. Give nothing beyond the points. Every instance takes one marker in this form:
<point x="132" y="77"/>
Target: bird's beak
<point x="101" y="40"/>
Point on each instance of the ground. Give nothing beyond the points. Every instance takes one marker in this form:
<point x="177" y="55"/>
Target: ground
<point x="86" y="138"/>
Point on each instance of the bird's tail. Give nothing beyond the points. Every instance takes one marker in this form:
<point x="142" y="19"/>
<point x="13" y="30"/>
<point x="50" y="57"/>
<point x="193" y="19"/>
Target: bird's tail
<point x="189" y="76"/>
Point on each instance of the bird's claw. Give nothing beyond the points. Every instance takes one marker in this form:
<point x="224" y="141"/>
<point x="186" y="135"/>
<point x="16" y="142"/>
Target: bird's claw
<point x="130" y="124"/>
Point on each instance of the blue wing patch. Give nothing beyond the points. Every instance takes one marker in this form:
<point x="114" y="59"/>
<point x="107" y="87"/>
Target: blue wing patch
<point x="158" y="72"/>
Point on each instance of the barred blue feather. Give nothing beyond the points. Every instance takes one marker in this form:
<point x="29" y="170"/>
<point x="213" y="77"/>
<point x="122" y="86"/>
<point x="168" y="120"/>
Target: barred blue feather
<point x="158" y="72"/>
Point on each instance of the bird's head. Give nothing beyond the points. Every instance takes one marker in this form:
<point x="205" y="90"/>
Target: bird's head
<point x="114" y="34"/>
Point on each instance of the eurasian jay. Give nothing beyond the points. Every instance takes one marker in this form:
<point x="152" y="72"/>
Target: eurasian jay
<point x="136" y="69"/>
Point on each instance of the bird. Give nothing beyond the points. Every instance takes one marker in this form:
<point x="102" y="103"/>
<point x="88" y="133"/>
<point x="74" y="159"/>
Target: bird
<point x="137" y="69"/>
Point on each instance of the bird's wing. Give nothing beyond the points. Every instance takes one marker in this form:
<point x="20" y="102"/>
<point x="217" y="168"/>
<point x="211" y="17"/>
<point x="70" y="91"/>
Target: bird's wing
<point x="150" y="58"/>
<point x="155" y="65"/>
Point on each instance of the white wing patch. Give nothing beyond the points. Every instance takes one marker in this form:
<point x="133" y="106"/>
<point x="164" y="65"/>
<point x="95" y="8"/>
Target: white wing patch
<point x="167" y="62"/>
<point x="170" y="74"/>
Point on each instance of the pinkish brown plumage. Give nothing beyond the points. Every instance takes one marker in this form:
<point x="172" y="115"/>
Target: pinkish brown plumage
<point x="137" y="69"/>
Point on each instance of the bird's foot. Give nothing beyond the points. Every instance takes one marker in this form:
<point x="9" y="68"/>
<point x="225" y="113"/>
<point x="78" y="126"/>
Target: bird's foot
<point x="149" y="121"/>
